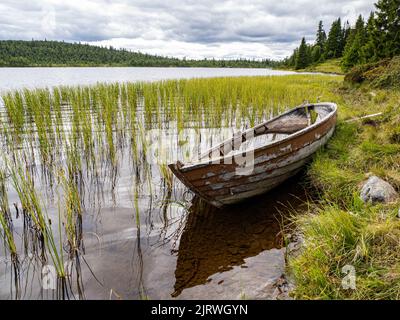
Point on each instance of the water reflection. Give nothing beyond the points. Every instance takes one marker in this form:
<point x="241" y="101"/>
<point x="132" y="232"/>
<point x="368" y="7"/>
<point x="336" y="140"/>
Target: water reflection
<point x="96" y="206"/>
<point x="216" y="240"/>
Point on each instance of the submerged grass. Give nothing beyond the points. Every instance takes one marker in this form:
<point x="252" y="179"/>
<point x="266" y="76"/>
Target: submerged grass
<point x="6" y="220"/>
<point x="76" y="136"/>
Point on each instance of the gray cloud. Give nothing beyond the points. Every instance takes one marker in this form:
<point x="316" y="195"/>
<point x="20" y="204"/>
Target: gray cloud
<point x="255" y="29"/>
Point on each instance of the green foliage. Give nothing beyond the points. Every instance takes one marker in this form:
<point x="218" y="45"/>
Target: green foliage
<point x="363" y="238"/>
<point x="334" y="41"/>
<point x="369" y="49"/>
<point x="382" y="74"/>
<point x="386" y="33"/>
<point x="346" y="34"/>
<point x="302" y="58"/>
<point x="378" y="39"/>
<point x="327" y="66"/>
<point x="353" y="53"/>
<point x="54" y="53"/>
<point x="339" y="229"/>
<point x="316" y="53"/>
<point x="321" y="37"/>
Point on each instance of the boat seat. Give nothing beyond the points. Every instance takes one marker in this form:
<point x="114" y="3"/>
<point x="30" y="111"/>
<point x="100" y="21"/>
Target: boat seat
<point x="288" y="125"/>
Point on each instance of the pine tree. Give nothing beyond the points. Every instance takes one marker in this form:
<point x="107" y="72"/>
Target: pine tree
<point x="387" y="31"/>
<point x="309" y="54"/>
<point x="360" y="28"/>
<point x="316" y="54"/>
<point x="369" y="50"/>
<point x="302" y="56"/>
<point x="353" y="53"/>
<point x="333" y="43"/>
<point x="294" y="57"/>
<point x="346" y="34"/>
<point x="321" y="36"/>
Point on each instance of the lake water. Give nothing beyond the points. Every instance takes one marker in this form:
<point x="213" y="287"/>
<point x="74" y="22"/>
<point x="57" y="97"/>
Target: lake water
<point x="17" y="78"/>
<point x="141" y="238"/>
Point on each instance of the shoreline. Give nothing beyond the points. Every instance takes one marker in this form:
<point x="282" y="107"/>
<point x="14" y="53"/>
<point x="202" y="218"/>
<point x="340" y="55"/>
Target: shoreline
<point x="340" y="231"/>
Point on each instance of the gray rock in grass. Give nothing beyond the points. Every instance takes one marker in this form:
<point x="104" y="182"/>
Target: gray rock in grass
<point x="377" y="190"/>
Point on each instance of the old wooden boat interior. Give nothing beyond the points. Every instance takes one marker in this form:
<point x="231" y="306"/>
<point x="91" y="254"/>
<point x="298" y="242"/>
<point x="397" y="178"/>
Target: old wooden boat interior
<point x="278" y="148"/>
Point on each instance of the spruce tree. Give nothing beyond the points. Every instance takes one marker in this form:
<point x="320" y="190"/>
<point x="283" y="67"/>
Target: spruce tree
<point x="387" y="31"/>
<point x="353" y="53"/>
<point x="360" y="28"/>
<point x="369" y="50"/>
<point x="333" y="43"/>
<point x="302" y="56"/>
<point x="321" y="36"/>
<point x="293" y="58"/>
<point x="346" y="34"/>
<point x="316" y="54"/>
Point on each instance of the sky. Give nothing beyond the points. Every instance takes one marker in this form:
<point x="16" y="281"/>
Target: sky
<point x="253" y="29"/>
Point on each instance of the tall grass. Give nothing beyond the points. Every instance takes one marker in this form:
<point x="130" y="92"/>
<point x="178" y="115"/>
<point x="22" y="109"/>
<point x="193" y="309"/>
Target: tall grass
<point x="340" y="230"/>
<point x="73" y="141"/>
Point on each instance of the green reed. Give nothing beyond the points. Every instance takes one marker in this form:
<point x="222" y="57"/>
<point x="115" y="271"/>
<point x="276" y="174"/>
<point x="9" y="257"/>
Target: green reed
<point x="78" y="135"/>
<point x="72" y="217"/>
<point x="6" y="220"/>
<point x="32" y="207"/>
<point x="15" y="110"/>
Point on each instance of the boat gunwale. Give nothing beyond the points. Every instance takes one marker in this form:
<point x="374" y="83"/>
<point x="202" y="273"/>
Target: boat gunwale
<point x="276" y="159"/>
<point x="192" y="166"/>
<point x="271" y="170"/>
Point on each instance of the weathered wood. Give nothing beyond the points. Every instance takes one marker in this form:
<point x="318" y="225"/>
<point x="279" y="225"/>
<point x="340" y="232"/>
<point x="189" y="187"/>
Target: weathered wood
<point x="365" y="117"/>
<point x="287" y="125"/>
<point x="215" y="177"/>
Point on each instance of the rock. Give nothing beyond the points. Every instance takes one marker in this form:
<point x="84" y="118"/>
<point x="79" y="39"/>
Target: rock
<point x="377" y="190"/>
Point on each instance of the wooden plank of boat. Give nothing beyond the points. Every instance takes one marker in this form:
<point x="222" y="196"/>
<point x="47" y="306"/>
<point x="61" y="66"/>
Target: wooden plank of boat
<point x="273" y="151"/>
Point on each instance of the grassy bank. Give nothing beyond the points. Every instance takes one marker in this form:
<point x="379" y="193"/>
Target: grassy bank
<point x="331" y="66"/>
<point x="340" y="231"/>
<point x="328" y="66"/>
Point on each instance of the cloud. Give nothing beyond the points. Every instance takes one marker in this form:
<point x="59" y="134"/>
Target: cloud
<point x="195" y="29"/>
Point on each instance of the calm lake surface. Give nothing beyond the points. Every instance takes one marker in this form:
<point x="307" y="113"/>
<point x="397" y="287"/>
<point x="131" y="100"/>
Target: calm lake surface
<point x="141" y="239"/>
<point x="18" y="78"/>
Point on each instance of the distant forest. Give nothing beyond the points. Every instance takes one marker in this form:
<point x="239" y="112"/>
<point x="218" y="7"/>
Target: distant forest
<point x="367" y="41"/>
<point x="56" y="53"/>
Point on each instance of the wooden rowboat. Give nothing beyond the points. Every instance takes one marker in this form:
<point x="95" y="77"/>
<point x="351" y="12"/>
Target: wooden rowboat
<point x="260" y="158"/>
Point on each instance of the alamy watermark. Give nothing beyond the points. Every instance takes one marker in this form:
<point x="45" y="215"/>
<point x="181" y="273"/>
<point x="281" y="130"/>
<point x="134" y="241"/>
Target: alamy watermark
<point x="349" y="280"/>
<point x="237" y="148"/>
<point x="49" y="275"/>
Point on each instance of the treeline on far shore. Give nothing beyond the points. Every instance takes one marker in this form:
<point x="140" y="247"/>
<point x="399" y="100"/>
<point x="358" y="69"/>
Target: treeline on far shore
<point x="20" y="53"/>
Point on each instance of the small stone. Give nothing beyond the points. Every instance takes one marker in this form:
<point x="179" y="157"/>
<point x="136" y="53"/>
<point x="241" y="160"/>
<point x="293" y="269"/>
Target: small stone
<point x="377" y="190"/>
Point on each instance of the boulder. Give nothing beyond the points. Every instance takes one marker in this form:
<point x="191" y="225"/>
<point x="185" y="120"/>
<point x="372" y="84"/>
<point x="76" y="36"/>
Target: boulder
<point x="377" y="190"/>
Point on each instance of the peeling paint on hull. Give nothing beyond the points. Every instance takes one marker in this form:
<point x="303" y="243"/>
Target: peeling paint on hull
<point x="218" y="182"/>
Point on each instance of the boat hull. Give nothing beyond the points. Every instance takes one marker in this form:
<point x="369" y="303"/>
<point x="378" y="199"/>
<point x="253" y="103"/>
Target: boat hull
<point x="220" y="184"/>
